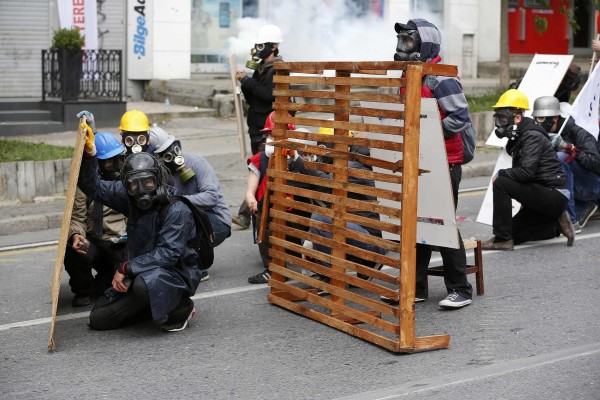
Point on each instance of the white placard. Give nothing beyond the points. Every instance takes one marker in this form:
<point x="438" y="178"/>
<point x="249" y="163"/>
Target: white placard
<point x="436" y="218"/>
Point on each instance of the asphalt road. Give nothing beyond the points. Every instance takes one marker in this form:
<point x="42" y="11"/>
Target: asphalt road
<point x="533" y="335"/>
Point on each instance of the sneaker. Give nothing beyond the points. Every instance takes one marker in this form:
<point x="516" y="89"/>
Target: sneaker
<point x="494" y="244"/>
<point x="322" y="278"/>
<point x="81" y="300"/>
<point x="180" y="317"/>
<point x="204" y="275"/>
<point x="455" y="300"/>
<point x="263" y="277"/>
<point x="394" y="302"/>
<point x="590" y="209"/>
<point x="565" y="227"/>
<point x="576" y="228"/>
<point x="595" y="216"/>
<point x="241" y="220"/>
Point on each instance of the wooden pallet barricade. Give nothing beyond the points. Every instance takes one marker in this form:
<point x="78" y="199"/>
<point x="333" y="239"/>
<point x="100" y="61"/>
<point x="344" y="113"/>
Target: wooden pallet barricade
<point x="331" y="92"/>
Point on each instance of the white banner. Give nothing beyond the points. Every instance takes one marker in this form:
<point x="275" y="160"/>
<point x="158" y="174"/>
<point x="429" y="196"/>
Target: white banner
<point x="83" y="15"/>
<point x="140" y="34"/>
<point x="585" y="107"/>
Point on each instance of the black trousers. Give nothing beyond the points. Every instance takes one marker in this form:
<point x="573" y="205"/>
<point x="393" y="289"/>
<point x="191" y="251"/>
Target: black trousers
<point x="455" y="260"/>
<point x="537" y="219"/>
<point x="114" y="310"/>
<point x="102" y="256"/>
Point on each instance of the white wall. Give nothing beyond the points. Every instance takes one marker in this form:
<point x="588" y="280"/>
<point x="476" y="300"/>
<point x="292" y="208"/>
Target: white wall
<point x="489" y="30"/>
<point x="172" y="39"/>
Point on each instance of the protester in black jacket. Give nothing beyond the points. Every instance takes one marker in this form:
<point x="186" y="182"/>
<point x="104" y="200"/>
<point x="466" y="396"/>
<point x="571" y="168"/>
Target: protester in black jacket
<point x="536" y="180"/>
<point x="578" y="153"/>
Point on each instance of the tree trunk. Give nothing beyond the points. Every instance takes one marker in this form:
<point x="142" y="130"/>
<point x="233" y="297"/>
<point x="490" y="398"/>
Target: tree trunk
<point x="504" y="55"/>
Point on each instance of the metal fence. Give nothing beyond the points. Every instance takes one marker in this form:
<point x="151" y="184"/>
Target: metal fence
<point x="71" y="75"/>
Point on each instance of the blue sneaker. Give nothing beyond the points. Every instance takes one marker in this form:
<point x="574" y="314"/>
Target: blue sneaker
<point x="455" y="300"/>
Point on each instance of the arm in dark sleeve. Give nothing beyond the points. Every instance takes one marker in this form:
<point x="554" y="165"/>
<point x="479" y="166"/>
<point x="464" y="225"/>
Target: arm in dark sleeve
<point x="587" y="155"/>
<point x="111" y="193"/>
<point x="531" y="150"/>
<point x="178" y="227"/>
<point x="260" y="89"/>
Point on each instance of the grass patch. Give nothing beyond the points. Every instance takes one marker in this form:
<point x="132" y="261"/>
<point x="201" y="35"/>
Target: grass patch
<point x="18" y="150"/>
<point x="483" y="103"/>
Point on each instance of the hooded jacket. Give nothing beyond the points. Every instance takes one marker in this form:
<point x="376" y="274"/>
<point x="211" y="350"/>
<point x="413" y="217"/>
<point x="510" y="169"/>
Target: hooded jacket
<point x="587" y="154"/>
<point x="452" y="104"/>
<point x="534" y="159"/>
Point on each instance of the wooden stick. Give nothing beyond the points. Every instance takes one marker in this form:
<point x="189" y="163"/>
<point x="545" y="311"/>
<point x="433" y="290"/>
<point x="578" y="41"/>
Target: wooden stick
<point x="237" y="101"/>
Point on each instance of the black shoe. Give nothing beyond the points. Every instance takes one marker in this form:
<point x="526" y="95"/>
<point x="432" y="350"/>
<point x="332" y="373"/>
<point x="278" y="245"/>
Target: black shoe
<point x="565" y="227"/>
<point x="590" y="209"/>
<point x="495" y="244"/>
<point x="81" y="300"/>
<point x="204" y="275"/>
<point x="394" y="302"/>
<point x="324" y="279"/>
<point x="179" y="318"/>
<point x="263" y="277"/>
<point x="241" y="220"/>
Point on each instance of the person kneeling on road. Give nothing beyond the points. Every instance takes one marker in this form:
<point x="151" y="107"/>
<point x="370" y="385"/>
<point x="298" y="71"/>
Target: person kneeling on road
<point x="578" y="153"/>
<point x="161" y="271"/>
<point x="536" y="180"/>
<point x="97" y="233"/>
<point x="194" y="178"/>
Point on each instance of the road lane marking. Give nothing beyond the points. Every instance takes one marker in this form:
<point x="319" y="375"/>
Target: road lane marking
<point x="481" y="373"/>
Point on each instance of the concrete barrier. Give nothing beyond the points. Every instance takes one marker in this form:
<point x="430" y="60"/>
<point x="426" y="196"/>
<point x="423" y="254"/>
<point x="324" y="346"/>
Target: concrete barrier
<point x="26" y="180"/>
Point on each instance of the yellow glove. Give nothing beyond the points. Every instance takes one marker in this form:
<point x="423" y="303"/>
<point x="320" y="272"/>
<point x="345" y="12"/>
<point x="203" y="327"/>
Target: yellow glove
<point x="90" y="146"/>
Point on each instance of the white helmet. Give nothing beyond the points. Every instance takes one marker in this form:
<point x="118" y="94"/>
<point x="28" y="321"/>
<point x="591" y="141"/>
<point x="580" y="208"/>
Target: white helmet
<point x="160" y="138"/>
<point x="269" y="34"/>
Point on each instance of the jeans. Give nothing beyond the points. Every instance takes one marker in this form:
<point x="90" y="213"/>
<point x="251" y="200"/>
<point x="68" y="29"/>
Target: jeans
<point x="221" y="230"/>
<point x="583" y="184"/>
<point x="455" y="260"/>
<point x="540" y="208"/>
<point x="352" y="242"/>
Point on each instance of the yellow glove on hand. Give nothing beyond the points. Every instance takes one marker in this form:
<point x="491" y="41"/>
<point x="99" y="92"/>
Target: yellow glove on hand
<point x="90" y="146"/>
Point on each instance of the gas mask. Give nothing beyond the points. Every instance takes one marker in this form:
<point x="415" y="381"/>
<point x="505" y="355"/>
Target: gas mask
<point x="135" y="142"/>
<point x="110" y="169"/>
<point x="505" y="124"/>
<point x="173" y="159"/>
<point x="545" y="122"/>
<point x="259" y="52"/>
<point x="142" y="187"/>
<point x="409" y="44"/>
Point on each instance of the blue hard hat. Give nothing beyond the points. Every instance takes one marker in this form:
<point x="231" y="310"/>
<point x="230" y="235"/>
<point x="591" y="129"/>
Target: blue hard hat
<point x="107" y="146"/>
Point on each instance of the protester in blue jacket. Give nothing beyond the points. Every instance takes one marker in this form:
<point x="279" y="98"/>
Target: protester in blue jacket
<point x="161" y="271"/>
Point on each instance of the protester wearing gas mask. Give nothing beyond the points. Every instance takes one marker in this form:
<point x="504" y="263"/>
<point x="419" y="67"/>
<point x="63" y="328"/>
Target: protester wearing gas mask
<point x="160" y="272"/>
<point x="536" y="180"/>
<point x="134" y="131"/>
<point x="258" y="92"/>
<point x="578" y="153"/>
<point x="97" y="233"/>
<point x="420" y="40"/>
<point x="194" y="178"/>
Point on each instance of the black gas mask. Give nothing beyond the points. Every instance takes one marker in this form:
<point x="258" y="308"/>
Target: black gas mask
<point x="142" y="187"/>
<point x="173" y="159"/>
<point x="110" y="168"/>
<point x="504" y="120"/>
<point x="545" y="122"/>
<point x="259" y="52"/>
<point x="408" y="47"/>
<point x="135" y="142"/>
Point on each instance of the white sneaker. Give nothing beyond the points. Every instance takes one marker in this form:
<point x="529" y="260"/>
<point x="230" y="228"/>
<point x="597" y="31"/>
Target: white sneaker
<point x="455" y="300"/>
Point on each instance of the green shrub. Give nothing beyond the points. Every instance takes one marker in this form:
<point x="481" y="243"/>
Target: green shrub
<point x="67" y="39"/>
<point x="483" y="103"/>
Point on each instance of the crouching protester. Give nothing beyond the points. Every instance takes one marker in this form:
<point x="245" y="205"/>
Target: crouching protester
<point x="161" y="270"/>
<point x="97" y="233"/>
<point x="536" y="180"/>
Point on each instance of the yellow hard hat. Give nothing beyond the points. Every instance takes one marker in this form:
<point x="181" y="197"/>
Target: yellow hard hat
<point x="134" y="121"/>
<point x="513" y="98"/>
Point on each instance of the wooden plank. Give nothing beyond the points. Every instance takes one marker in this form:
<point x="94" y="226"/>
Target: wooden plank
<point x="339" y="81"/>
<point x="237" y="102"/>
<point x="350" y="140"/>
<point x="313" y="208"/>
<point x="357" y="173"/>
<point x="336" y="109"/>
<point x="434" y="342"/>
<point x="351" y="126"/>
<point x="335" y="323"/>
<point x="350" y="187"/>
<point x="410" y="160"/>
<point x="63" y="239"/>
<point x="352" y="96"/>
<point x="341" y="293"/>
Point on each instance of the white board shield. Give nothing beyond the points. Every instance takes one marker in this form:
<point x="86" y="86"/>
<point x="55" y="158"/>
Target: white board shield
<point x="436" y="218"/>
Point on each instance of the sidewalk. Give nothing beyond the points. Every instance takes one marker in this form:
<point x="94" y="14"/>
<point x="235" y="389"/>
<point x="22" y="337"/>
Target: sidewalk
<point x="214" y="138"/>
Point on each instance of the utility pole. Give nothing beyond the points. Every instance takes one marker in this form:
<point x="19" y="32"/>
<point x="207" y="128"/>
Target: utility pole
<point x="504" y="56"/>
